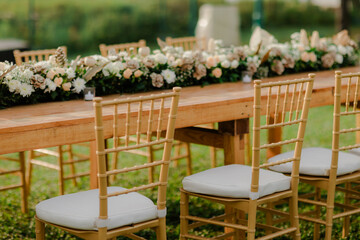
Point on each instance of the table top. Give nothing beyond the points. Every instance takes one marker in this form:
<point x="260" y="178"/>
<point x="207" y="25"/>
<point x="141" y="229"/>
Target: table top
<point x="58" y="123"/>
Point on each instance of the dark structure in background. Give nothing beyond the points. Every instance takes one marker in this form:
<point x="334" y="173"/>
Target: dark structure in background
<point x="7" y="46"/>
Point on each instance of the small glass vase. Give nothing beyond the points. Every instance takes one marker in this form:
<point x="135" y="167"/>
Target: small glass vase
<point x="246" y="76"/>
<point x="89" y="93"/>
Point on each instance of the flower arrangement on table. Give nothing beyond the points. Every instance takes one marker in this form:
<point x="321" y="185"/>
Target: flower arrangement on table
<point x="59" y="79"/>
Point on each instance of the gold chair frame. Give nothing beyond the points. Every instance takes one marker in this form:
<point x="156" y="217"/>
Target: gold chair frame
<point x="295" y="106"/>
<point x="160" y="223"/>
<point x="331" y="183"/>
<point x="187" y="43"/>
<point x="35" y="55"/>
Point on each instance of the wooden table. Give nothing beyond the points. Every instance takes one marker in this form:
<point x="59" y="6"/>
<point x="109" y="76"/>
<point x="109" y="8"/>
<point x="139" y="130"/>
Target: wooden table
<point x="230" y="104"/>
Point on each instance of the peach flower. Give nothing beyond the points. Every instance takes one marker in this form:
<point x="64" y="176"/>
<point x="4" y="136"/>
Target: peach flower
<point x="66" y="86"/>
<point x="210" y="62"/>
<point x="217" y="72"/>
<point x="312" y="57"/>
<point x="58" y="81"/>
<point x="51" y="74"/>
<point x="138" y="73"/>
<point x="305" y="57"/>
<point x="127" y="73"/>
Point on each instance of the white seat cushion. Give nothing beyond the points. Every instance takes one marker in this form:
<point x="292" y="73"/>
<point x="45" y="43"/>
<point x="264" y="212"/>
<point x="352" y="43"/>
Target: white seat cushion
<point x="355" y="151"/>
<point x="81" y="210"/>
<point x="234" y="181"/>
<point x="316" y="162"/>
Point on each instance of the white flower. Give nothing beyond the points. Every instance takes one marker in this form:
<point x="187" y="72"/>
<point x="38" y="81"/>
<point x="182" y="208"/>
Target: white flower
<point x="27" y="74"/>
<point x="78" y="84"/>
<point x="160" y="58"/>
<point x="332" y="48"/>
<point x="70" y="73"/>
<point x="339" y="58"/>
<point x="225" y="64"/>
<point x="14" y="85"/>
<point x="222" y="57"/>
<point x="123" y="54"/>
<point x="51" y="86"/>
<point x="168" y="75"/>
<point x="234" y="64"/>
<point x="342" y="50"/>
<point x="187" y="54"/>
<point x="43" y="64"/>
<point x="26" y="90"/>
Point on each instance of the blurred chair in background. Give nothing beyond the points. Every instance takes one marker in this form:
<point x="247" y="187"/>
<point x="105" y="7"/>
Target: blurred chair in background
<point x="187" y="43"/>
<point x="128" y="47"/>
<point x="20" y="171"/>
<point x="60" y="151"/>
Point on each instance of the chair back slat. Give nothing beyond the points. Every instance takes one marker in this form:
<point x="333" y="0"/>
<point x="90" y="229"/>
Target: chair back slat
<point x="140" y="114"/>
<point x="35" y="55"/>
<point x="130" y="48"/>
<point x="276" y="106"/>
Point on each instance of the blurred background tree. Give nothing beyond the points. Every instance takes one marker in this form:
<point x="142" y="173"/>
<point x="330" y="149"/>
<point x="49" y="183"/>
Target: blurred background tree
<point x="82" y="25"/>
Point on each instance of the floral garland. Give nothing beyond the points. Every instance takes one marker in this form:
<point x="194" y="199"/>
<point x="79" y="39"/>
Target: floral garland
<point x="162" y="69"/>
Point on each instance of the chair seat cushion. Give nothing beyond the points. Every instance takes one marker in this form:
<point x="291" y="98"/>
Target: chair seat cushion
<point x="81" y="210"/>
<point x="234" y="181"/>
<point x="317" y="161"/>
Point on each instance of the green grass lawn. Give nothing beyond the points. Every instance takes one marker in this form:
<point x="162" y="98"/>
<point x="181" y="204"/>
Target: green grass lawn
<point x="15" y="225"/>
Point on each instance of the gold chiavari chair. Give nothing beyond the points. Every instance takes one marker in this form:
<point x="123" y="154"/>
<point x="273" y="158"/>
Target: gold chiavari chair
<point x="249" y="188"/>
<point x="60" y="151"/>
<point x="108" y="212"/>
<point x="128" y="47"/>
<point x="187" y="43"/>
<point x="20" y="171"/>
<point x="181" y="149"/>
<point x="35" y="55"/>
<point x="333" y="170"/>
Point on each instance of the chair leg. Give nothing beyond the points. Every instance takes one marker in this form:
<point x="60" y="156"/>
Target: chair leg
<point x="184" y="211"/>
<point x="317" y="214"/>
<point x="161" y="229"/>
<point x="251" y="220"/>
<point x="72" y="165"/>
<point x="346" y="225"/>
<point x="177" y="152"/>
<point x="329" y="212"/>
<point x="269" y="218"/>
<point x="213" y="156"/>
<point x="61" y="170"/>
<point x="188" y="158"/>
<point x="29" y="172"/>
<point x="39" y="230"/>
<point x="24" y="202"/>
<point x="294" y="215"/>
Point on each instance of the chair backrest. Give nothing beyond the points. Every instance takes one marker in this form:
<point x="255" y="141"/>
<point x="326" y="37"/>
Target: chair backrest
<point x="128" y="47"/>
<point x="35" y="55"/>
<point x="187" y="43"/>
<point x="284" y="104"/>
<point x="139" y="115"/>
<point x="351" y="96"/>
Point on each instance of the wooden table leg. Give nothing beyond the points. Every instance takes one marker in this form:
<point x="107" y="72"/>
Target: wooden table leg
<point x="234" y="144"/>
<point x="93" y="166"/>
<point x="234" y="152"/>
